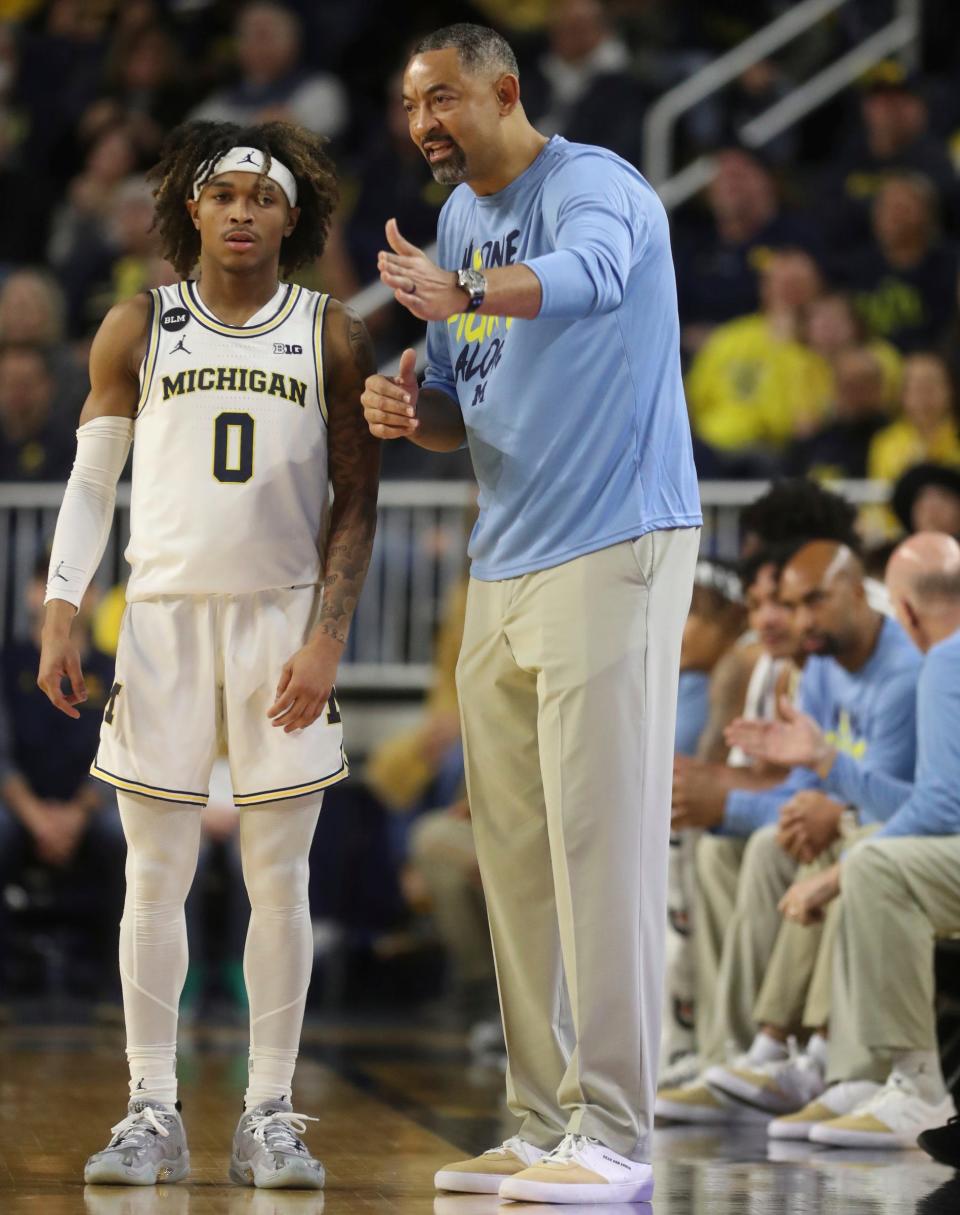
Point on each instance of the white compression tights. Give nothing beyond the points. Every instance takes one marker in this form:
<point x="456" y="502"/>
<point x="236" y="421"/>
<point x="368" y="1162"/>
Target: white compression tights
<point x="163" y="842"/>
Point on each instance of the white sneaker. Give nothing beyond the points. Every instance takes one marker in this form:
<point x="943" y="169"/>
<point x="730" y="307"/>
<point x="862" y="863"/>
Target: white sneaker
<point x="581" y="1170"/>
<point x="699" y="1103"/>
<point x="780" y="1087"/>
<point x="891" y="1118"/>
<point x="484" y="1174"/>
<point x="680" y="1071"/>
<point x="836" y="1102"/>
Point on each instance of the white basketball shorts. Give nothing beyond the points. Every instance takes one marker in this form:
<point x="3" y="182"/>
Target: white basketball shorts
<point x="195" y="677"/>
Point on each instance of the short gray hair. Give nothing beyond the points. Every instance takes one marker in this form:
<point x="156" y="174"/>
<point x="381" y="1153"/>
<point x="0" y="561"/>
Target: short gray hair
<point x="938" y="584"/>
<point x="480" y="48"/>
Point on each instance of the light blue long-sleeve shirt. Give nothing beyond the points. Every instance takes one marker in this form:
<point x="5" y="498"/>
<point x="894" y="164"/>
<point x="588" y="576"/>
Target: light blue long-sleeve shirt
<point x="932" y="806"/>
<point x="693" y="710"/>
<point x="576" y="419"/>
<point x="870" y="716"/>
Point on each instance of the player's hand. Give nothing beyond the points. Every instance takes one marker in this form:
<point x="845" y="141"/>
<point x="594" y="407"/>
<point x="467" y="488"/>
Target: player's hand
<point x="806" y="900"/>
<point x="390" y="402"/>
<point x="59" y="660"/>
<point x="699" y="798"/>
<point x="306" y="685"/>
<point x="794" y="741"/>
<point x="809" y="824"/>
<point x="418" y="283"/>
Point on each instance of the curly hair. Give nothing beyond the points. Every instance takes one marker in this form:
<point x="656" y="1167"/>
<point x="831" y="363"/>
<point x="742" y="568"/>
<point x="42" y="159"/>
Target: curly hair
<point x="800" y="509"/>
<point x="195" y="147"/>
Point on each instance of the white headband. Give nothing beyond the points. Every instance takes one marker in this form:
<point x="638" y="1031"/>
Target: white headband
<point x="248" y="160"/>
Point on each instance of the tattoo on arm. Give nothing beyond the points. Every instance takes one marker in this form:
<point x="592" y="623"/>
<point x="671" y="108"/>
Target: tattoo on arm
<point x="354" y="461"/>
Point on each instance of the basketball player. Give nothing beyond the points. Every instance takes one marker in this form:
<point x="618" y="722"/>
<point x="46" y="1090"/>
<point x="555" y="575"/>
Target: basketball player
<point x="242" y="393"/>
<point x="553" y="350"/>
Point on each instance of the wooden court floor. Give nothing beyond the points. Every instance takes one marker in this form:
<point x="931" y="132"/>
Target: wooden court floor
<point x="394" y="1103"/>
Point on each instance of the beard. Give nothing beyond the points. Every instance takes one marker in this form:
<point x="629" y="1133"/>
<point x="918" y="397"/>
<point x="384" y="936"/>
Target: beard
<point x="451" y="171"/>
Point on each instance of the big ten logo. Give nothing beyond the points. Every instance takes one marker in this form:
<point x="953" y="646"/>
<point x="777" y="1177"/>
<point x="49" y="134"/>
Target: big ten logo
<point x="286" y="348"/>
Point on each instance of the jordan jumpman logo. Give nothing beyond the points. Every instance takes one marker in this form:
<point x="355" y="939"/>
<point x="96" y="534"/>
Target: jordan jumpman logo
<point x="180" y="346"/>
<point x="249" y="159"/>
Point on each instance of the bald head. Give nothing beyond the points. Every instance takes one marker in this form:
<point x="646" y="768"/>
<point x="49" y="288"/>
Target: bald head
<point x="924" y="571"/>
<point x="823" y="586"/>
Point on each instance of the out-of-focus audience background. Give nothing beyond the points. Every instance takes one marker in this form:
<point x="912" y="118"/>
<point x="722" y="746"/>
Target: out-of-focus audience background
<point x="817" y="280"/>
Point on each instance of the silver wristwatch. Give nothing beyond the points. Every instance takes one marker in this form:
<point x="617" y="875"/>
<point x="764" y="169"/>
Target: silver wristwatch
<point x="475" y="285"/>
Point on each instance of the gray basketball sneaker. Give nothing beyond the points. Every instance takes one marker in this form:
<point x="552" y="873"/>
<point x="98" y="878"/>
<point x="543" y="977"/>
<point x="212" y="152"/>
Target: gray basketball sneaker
<point x="148" y="1147"/>
<point x="269" y="1153"/>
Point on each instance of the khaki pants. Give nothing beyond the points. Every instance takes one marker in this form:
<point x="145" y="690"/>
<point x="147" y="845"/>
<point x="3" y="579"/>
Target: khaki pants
<point x="740" y="885"/>
<point x="568" y="690"/>
<point x="899" y="896"/>
<point x="796" y="989"/>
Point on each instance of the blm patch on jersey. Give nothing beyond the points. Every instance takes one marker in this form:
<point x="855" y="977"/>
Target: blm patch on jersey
<point x="174" y="319"/>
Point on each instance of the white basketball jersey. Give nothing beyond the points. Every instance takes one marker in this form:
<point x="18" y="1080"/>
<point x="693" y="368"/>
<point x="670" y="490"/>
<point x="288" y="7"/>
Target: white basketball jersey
<point x="230" y="489"/>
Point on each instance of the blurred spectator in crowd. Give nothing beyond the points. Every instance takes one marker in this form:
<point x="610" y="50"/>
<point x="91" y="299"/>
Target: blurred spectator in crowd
<point x="404" y="771"/>
<point x="582" y="86"/>
<point x="927" y="499"/>
<point x="27" y="200"/>
<point x="839" y="448"/>
<point x="390" y="177"/>
<point x="833" y="325"/>
<point x="718" y="263"/>
<point x="747" y="388"/>
<point x="904" y="282"/>
<point x="272" y="82"/>
<point x="33" y="447"/>
<point x="51" y="811"/>
<point x="81" y="224"/>
<point x="59" y="71"/>
<point x="755" y="91"/>
<point x="119" y="260"/>
<point x="33" y="313"/>
<point x="145" y="86"/>
<point x="892" y="136"/>
<point x="443" y="865"/>
<point x="928" y="429"/>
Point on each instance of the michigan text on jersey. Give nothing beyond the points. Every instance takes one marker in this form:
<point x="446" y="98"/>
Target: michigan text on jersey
<point x="234" y="379"/>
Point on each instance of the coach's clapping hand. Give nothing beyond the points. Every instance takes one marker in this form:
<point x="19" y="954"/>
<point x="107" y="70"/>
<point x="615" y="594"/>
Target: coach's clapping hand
<point x="390" y="402"/>
<point x="418" y="283"/>
<point x="306" y="685"/>
<point x="794" y="741"/>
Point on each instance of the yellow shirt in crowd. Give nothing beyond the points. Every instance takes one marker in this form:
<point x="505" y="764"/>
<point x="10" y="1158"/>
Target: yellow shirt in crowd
<point x="900" y="445"/>
<point x="748" y="388"/>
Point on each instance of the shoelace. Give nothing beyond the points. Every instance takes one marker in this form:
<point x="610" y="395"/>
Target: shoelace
<point x="279" y="1130"/>
<point x="136" y="1126"/>
<point x="567" y="1149"/>
<point x="508" y="1146"/>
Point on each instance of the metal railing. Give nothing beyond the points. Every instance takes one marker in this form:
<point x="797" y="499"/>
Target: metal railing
<point x="899" y="35"/>
<point x="419" y="554"/>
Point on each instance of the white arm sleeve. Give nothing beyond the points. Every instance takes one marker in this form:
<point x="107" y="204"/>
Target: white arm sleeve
<point x="86" y="512"/>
